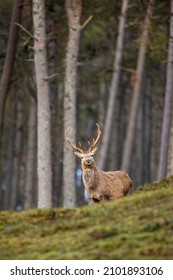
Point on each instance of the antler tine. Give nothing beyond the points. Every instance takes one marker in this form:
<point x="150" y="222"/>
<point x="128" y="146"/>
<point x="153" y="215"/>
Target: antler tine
<point x="95" y="141"/>
<point x="72" y="144"/>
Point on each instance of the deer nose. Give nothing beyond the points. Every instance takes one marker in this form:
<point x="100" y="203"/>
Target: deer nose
<point x="88" y="161"/>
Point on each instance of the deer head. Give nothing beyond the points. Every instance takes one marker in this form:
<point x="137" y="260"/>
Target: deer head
<point x="86" y="156"/>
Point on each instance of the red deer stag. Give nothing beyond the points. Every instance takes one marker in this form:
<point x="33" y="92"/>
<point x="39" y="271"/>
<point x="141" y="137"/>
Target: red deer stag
<point x="100" y="185"/>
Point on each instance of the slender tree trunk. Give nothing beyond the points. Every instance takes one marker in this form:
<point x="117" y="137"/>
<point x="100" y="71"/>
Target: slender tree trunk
<point x="166" y="124"/>
<point x="53" y="82"/>
<point x="10" y="56"/>
<point x="101" y="102"/>
<point x="58" y="191"/>
<point x="170" y="154"/>
<point x="17" y="154"/>
<point x="138" y="147"/>
<point x="147" y="133"/>
<point x="125" y="165"/>
<point x="10" y="154"/>
<point x="43" y="107"/>
<point x="31" y="156"/>
<point x="8" y="64"/>
<point x="112" y="161"/>
<point x="113" y="91"/>
<point x="73" y="10"/>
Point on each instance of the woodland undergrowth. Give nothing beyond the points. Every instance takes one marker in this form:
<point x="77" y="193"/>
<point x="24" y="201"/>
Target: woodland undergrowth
<point x="139" y="226"/>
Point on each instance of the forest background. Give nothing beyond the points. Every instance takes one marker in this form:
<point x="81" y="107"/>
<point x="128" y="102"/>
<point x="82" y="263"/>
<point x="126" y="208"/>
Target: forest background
<point x="121" y="78"/>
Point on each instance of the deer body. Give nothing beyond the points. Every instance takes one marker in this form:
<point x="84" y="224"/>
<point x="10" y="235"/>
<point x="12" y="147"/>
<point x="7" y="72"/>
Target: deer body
<point x="101" y="185"/>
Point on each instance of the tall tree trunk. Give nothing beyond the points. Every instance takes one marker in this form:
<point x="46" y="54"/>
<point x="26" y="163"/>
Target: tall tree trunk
<point x="170" y="154"/>
<point x="10" y="153"/>
<point x="138" y="147"/>
<point x="31" y="156"/>
<point x="73" y="10"/>
<point x="58" y="191"/>
<point x="146" y="157"/>
<point x="52" y="69"/>
<point x="128" y="145"/>
<point x="9" y="63"/>
<point x="44" y="169"/>
<point x="113" y="91"/>
<point x="166" y="123"/>
<point x="17" y="153"/>
<point x="10" y="56"/>
<point x="101" y="102"/>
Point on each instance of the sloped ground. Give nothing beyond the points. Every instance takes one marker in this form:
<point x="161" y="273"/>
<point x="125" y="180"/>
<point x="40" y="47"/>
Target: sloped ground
<point x="136" y="227"/>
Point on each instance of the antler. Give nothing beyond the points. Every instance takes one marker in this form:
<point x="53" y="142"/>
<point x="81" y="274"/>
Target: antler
<point x="94" y="143"/>
<point x="92" y="148"/>
<point x="72" y="144"/>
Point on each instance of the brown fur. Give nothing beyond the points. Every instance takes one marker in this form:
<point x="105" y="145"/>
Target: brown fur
<point x="101" y="185"/>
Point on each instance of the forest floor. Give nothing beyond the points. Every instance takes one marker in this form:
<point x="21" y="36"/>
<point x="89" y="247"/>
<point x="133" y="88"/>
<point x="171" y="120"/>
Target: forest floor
<point x="136" y="227"/>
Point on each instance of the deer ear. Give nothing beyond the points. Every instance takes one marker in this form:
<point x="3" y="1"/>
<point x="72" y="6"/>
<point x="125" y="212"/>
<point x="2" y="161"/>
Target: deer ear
<point x="93" y="151"/>
<point x="78" y="154"/>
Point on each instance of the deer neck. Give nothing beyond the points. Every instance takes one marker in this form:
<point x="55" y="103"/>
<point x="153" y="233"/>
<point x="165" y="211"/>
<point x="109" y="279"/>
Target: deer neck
<point x="89" y="177"/>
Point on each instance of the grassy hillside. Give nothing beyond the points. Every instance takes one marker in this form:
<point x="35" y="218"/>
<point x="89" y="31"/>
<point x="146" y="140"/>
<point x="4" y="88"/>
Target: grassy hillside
<point x="136" y="227"/>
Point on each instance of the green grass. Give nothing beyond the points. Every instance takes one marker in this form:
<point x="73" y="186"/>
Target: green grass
<point x="136" y="227"/>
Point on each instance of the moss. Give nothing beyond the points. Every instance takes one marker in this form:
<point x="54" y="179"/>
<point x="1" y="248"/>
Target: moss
<point x="136" y="227"/>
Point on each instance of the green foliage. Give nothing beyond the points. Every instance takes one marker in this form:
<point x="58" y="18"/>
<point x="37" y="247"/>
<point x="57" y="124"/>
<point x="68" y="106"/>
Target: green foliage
<point x="157" y="47"/>
<point x="6" y="1"/>
<point x="159" y="34"/>
<point x="136" y="227"/>
<point x="95" y="33"/>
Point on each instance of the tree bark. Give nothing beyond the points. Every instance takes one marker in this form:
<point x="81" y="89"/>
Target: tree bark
<point x="147" y="133"/>
<point x="128" y="145"/>
<point x="10" y="154"/>
<point x="9" y="63"/>
<point x="53" y="82"/>
<point x="58" y="191"/>
<point x="138" y="148"/>
<point x="73" y="10"/>
<point x="10" y="56"/>
<point x="17" y="154"/>
<point x="31" y="156"/>
<point x="113" y="91"/>
<point x="44" y="170"/>
<point x="167" y="112"/>
<point x="170" y="154"/>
